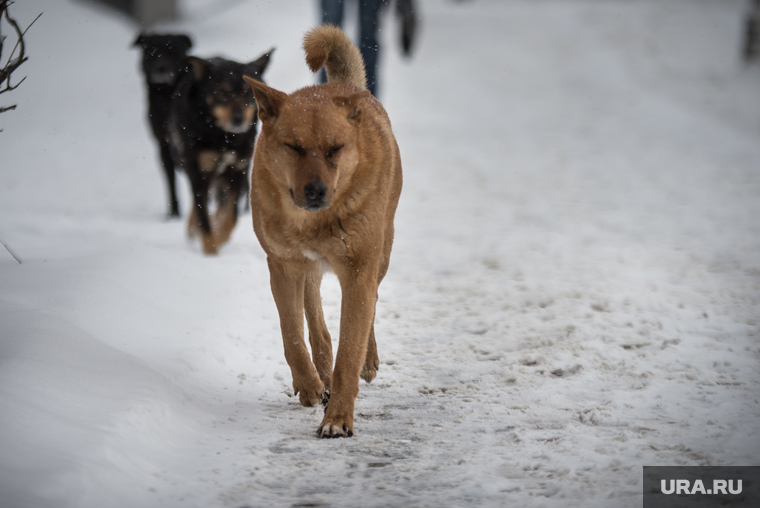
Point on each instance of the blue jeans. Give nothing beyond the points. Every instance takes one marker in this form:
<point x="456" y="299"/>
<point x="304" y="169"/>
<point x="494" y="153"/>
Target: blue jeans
<point x="369" y="10"/>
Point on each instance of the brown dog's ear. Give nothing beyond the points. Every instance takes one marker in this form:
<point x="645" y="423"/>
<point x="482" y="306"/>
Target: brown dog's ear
<point x="352" y="105"/>
<point x="198" y="66"/>
<point x="268" y="99"/>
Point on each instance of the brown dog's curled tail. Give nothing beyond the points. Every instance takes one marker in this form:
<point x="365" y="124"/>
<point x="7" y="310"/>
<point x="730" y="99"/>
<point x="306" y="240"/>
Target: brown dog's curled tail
<point x="327" y="46"/>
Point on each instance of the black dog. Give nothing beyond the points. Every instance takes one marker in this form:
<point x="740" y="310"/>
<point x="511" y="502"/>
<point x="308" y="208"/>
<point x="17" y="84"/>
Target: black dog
<point x="164" y="62"/>
<point x="212" y="131"/>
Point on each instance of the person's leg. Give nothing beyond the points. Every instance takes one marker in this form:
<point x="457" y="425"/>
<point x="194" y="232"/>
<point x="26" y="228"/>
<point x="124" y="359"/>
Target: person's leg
<point x="369" y="23"/>
<point x="332" y="12"/>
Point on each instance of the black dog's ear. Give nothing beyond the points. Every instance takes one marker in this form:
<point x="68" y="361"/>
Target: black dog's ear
<point x="198" y="66"/>
<point x="257" y="67"/>
<point x="186" y="42"/>
<point x="140" y="41"/>
<point x="268" y="99"/>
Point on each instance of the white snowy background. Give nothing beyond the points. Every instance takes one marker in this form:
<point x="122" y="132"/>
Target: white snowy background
<point x="574" y="291"/>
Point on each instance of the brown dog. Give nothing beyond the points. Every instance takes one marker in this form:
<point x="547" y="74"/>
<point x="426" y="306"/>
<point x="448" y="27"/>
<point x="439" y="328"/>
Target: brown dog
<point x="325" y="185"/>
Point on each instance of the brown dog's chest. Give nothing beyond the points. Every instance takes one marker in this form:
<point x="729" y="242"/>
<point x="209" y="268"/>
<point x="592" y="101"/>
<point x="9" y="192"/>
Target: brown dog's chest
<point x="321" y="237"/>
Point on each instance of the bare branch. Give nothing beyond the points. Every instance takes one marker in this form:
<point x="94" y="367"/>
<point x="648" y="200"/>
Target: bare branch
<point x="14" y="60"/>
<point x="10" y="252"/>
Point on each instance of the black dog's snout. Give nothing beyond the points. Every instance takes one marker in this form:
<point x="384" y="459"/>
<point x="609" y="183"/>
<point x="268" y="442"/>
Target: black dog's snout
<point x="237" y="117"/>
<point x="315" y="193"/>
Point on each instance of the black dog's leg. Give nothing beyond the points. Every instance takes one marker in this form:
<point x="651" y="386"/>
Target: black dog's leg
<point x="199" y="219"/>
<point x="227" y="214"/>
<point x="168" y="163"/>
<point x="201" y="204"/>
<point x="244" y="193"/>
<point x="238" y="187"/>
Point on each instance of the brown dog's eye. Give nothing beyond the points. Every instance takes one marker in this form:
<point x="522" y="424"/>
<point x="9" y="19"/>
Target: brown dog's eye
<point x="332" y="151"/>
<point x="297" y="149"/>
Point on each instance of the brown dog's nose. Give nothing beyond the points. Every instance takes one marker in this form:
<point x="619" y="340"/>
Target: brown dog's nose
<point x="315" y="193"/>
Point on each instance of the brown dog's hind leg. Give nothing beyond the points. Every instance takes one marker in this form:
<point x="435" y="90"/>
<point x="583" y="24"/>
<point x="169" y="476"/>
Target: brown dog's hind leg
<point x="319" y="337"/>
<point x="288" y="281"/>
<point x="371" y="361"/>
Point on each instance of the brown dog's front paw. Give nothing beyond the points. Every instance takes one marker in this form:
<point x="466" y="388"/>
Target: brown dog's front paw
<point x="337" y="422"/>
<point x="310" y="393"/>
<point x="334" y="430"/>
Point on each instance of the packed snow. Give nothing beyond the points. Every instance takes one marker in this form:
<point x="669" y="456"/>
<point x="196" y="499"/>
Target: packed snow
<point x="574" y="291"/>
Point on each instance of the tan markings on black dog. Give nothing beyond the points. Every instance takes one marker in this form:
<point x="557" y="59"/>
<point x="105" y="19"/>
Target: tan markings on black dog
<point x="233" y="117"/>
<point x="209" y="160"/>
<point x="213" y="160"/>
<point x="223" y="222"/>
<point x="232" y="111"/>
<point x="325" y="185"/>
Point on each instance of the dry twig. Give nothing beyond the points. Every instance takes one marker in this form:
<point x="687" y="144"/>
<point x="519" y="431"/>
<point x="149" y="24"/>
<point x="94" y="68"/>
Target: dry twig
<point x="15" y="59"/>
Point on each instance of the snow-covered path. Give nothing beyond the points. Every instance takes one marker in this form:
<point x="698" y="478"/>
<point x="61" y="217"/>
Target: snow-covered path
<point x="573" y="294"/>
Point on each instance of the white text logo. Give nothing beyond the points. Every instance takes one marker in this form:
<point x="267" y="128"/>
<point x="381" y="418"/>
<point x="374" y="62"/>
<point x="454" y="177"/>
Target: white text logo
<point x="685" y="487"/>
